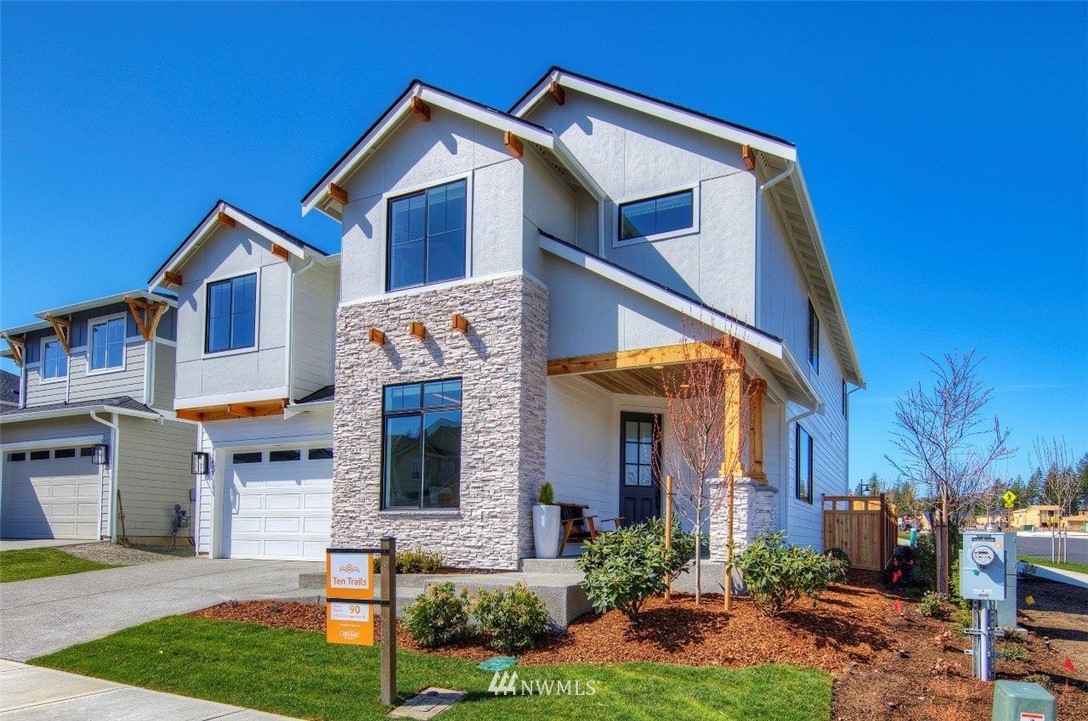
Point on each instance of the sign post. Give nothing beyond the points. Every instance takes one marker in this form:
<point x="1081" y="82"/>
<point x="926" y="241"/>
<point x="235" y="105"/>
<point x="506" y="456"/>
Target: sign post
<point x="349" y="617"/>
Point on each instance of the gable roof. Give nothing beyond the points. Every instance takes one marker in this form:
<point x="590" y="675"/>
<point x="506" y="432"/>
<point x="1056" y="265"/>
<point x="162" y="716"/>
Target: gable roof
<point x="208" y="225"/>
<point x="774" y="155"/>
<point x="543" y="138"/>
<point x="663" y="109"/>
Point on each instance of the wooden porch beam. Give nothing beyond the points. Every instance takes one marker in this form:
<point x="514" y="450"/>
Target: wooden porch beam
<point x="642" y="358"/>
<point x="240" y="410"/>
<point x="63" y="328"/>
<point x="758" y="389"/>
<point x="233" y="411"/>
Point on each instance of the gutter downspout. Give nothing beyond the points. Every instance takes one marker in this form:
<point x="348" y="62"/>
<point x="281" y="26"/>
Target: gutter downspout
<point x="790" y="167"/>
<point x="291" y="328"/>
<point x="114" y="433"/>
<point x="22" y="384"/>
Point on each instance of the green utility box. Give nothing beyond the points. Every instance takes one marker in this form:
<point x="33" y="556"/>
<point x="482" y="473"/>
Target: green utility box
<point x="1019" y="701"/>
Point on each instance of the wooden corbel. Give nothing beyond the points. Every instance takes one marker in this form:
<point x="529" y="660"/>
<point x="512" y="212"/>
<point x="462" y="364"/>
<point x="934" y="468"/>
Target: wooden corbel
<point x="147" y="316"/>
<point x="513" y="144"/>
<point x="749" y="157"/>
<point x="63" y="328"/>
<point x="376" y="336"/>
<point x="17" y="346"/>
<point x="421" y="109"/>
<point x="459" y="323"/>
<point x="172" y="278"/>
<point x="279" y="251"/>
<point x="337" y="194"/>
<point x="418" y="330"/>
<point x="225" y="220"/>
<point x="556" y="91"/>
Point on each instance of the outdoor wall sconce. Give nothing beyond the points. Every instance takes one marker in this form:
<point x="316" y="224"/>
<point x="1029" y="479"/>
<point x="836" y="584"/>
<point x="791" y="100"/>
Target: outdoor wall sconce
<point x="200" y="463"/>
<point x="100" y="454"/>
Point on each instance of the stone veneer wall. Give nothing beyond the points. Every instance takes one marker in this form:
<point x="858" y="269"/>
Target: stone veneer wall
<point x="502" y="362"/>
<point x="753" y="513"/>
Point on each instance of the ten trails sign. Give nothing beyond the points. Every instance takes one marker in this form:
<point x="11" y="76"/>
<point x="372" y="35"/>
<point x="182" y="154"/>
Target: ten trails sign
<point x="349" y="585"/>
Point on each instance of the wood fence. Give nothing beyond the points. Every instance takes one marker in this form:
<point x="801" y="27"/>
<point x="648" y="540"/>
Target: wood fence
<point x="866" y="528"/>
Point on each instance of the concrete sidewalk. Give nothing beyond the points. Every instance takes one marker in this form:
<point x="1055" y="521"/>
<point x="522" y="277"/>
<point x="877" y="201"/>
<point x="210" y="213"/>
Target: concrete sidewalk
<point x="44" y="615"/>
<point x="29" y="693"/>
<point x="1061" y="575"/>
<point x="15" y="544"/>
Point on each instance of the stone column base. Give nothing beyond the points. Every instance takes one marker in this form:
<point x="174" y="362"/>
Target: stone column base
<point x="754" y="507"/>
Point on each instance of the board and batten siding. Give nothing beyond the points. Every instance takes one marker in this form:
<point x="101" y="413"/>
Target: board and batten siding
<point x="314" y="333"/>
<point x="153" y="474"/>
<point x="221" y="438"/>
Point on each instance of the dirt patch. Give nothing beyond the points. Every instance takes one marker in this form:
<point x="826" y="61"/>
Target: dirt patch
<point x="1058" y="614"/>
<point x="886" y="664"/>
<point x="116" y="554"/>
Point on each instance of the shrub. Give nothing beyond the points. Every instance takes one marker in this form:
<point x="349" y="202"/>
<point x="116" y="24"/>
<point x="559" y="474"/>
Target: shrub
<point x="1040" y="678"/>
<point x="1013" y="652"/>
<point x="547" y="495"/>
<point x="625" y="567"/>
<point x="439" y="617"/>
<point x="414" y="560"/>
<point x="513" y="617"/>
<point x="934" y="605"/>
<point x="778" y="574"/>
<point x="839" y="555"/>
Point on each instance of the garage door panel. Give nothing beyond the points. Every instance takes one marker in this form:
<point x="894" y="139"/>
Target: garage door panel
<point x="49" y="498"/>
<point x="278" y="509"/>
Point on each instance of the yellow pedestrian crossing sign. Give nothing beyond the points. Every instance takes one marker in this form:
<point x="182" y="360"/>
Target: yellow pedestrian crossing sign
<point x="1009" y="498"/>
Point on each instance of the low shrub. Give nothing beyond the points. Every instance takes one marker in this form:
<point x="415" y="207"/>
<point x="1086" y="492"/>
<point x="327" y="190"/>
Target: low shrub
<point x="513" y="617"/>
<point x="1040" y="678"/>
<point x="438" y="617"/>
<point x="1013" y="652"/>
<point x="778" y="574"/>
<point x="934" y="605"/>
<point x="625" y="567"/>
<point x="414" y="560"/>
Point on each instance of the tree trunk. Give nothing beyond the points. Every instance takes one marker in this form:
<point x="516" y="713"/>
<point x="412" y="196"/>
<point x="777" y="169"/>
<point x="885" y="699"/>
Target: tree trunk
<point x="698" y="556"/>
<point x="941" y="546"/>
<point x="727" y="587"/>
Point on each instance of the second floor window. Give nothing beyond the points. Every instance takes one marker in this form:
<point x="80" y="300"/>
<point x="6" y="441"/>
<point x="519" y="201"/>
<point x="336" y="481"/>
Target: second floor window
<point x="663" y="214"/>
<point x="426" y="242"/>
<point x="54" y="360"/>
<point x="232" y="314"/>
<point x="813" y="338"/>
<point x="107" y="344"/>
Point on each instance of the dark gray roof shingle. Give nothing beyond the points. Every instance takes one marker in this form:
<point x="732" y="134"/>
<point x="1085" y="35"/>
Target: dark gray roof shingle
<point x="122" y="402"/>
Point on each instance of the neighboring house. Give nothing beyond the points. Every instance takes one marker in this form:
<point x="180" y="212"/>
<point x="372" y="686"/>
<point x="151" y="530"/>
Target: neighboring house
<point x="9" y="389"/>
<point x="515" y="282"/>
<point x="256" y="310"/>
<point x="1038" y="516"/>
<point x="95" y="374"/>
<point x="1078" y="522"/>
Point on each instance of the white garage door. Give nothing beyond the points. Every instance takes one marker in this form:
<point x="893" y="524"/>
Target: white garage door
<point x="278" y="504"/>
<point x="49" y="493"/>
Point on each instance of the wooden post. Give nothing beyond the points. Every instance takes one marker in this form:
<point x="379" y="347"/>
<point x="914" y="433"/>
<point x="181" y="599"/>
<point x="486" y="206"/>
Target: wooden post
<point x="668" y="532"/>
<point x="389" y="621"/>
<point x="759" y="387"/>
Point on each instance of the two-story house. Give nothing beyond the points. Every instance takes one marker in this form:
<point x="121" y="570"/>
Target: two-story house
<point x="514" y="285"/>
<point x="255" y="326"/>
<point x="91" y="450"/>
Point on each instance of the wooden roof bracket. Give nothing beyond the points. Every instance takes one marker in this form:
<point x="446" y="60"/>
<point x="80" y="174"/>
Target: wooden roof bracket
<point x="421" y="109"/>
<point x="63" y="328"/>
<point x="749" y="157"/>
<point x="418" y="330"/>
<point x="147" y="316"/>
<point x="17" y="346"/>
<point x="224" y="219"/>
<point x="337" y="194"/>
<point x="459" y="323"/>
<point x="513" y="144"/>
<point x="279" y="251"/>
<point x="556" y="91"/>
<point x="172" y="278"/>
<point x="376" y="336"/>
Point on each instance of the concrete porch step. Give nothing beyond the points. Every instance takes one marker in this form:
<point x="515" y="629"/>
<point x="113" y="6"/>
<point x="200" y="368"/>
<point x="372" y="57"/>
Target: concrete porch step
<point x="550" y="565"/>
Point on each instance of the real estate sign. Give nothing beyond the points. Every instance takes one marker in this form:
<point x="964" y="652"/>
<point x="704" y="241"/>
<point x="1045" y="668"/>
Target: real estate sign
<point x="349" y="584"/>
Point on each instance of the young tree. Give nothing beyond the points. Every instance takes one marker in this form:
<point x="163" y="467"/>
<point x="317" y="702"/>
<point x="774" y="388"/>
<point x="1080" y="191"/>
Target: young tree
<point x="706" y="397"/>
<point x="945" y="445"/>
<point x="1059" y="484"/>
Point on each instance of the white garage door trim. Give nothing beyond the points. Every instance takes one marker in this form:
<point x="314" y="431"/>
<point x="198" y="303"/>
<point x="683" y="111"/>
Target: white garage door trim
<point x="50" y="497"/>
<point x="276" y="510"/>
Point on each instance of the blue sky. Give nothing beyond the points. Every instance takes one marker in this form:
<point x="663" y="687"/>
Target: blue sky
<point x="944" y="146"/>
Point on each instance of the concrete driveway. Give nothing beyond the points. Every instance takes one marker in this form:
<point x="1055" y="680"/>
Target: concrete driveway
<point x="44" y="615"/>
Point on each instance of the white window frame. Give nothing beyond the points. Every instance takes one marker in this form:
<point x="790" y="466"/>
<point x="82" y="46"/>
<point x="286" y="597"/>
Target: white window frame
<point x="412" y="190"/>
<point x="42" y="380"/>
<point x="89" y="347"/>
<point x="693" y="229"/>
<point x="204" y="354"/>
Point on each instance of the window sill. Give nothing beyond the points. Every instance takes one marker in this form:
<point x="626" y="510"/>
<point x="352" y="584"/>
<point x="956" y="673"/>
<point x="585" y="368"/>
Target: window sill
<point x="444" y="513"/>
<point x="667" y="235"/>
<point x="105" y="371"/>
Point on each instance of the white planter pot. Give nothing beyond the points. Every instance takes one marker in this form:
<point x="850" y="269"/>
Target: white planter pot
<point x="546" y="531"/>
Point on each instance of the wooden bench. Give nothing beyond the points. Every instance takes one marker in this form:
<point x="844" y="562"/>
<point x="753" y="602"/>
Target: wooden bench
<point x="577" y="526"/>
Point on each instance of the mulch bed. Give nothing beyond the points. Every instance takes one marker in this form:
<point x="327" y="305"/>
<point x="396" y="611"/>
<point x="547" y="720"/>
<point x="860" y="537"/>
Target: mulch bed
<point x="886" y="665"/>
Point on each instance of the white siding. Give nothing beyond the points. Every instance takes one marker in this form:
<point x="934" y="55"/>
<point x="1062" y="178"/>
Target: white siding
<point x="580" y="447"/>
<point x="313" y="339"/>
<point x="39" y="393"/>
<point x="221" y="437"/>
<point x="128" y="381"/>
<point x="153" y="474"/>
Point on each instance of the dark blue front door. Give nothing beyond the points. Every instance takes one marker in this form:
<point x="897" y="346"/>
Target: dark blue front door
<point x="640" y="467"/>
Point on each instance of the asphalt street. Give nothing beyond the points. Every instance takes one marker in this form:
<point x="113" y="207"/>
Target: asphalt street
<point x="1040" y="546"/>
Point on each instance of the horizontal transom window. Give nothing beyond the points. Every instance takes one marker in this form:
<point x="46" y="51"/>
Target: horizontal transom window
<point x="281" y="456"/>
<point x="253" y="457"/>
<point x="660" y="214"/>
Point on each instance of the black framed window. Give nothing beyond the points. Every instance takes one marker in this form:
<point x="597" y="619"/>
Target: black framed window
<point x="813" y="338"/>
<point x="421" y="448"/>
<point x="281" y="456"/>
<point x="86" y="452"/>
<point x="231" y="314"/>
<point x="316" y="454"/>
<point x="64" y="453"/>
<point x="802" y="461"/>
<point x="426" y="238"/>
<point x="16" y="457"/>
<point x="660" y="214"/>
<point x="254" y="457"/>
<point x="39" y="455"/>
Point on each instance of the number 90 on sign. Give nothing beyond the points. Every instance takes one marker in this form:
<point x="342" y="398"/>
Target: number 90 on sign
<point x="349" y="623"/>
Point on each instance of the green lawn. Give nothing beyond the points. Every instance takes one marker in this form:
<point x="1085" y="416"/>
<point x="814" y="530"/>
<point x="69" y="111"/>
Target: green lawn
<point x="27" y="563"/>
<point x="1065" y="566"/>
<point x="297" y="673"/>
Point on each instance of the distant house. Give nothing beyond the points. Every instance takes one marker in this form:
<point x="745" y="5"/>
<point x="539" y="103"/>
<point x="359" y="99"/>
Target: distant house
<point x="1078" y="522"/>
<point x="1041" y="516"/>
